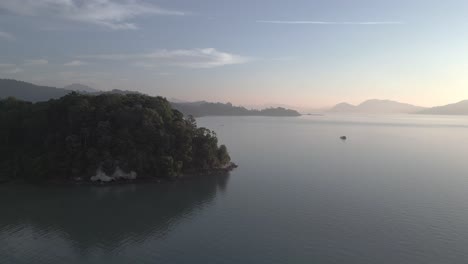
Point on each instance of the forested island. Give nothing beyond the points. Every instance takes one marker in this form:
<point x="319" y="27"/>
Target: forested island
<point x="103" y="138"/>
<point x="203" y="108"/>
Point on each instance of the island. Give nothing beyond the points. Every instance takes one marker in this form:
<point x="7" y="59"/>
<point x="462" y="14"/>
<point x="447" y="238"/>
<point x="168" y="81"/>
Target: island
<point x="202" y="108"/>
<point x="104" y="138"/>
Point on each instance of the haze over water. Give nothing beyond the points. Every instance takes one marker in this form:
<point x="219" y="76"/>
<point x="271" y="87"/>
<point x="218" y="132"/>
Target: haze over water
<point x="395" y="192"/>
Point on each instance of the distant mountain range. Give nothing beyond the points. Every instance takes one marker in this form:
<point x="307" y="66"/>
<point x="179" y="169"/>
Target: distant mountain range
<point x="28" y="91"/>
<point x="36" y="93"/>
<point x="460" y="108"/>
<point x="375" y="106"/>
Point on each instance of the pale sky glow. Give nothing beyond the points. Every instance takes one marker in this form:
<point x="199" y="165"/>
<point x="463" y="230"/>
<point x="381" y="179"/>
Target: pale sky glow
<point x="298" y="22"/>
<point x="304" y="53"/>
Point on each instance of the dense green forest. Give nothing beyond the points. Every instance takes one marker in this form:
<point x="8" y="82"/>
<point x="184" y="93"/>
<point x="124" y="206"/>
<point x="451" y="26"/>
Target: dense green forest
<point x="77" y="135"/>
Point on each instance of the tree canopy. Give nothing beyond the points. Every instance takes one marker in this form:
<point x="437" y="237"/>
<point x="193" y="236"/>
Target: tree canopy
<point x="75" y="135"/>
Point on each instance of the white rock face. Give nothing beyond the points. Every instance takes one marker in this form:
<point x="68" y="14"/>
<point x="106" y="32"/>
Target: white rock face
<point x="118" y="174"/>
<point x="100" y="176"/>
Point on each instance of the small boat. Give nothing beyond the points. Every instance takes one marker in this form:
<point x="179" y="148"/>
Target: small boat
<point x="343" y="137"/>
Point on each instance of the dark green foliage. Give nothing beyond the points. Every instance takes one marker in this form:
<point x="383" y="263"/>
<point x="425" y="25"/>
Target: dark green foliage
<point x="223" y="155"/>
<point x="75" y="135"/>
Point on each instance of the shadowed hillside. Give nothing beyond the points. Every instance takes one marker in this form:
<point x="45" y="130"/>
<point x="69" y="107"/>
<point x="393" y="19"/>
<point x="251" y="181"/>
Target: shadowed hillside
<point x="460" y="108"/>
<point x="28" y="91"/>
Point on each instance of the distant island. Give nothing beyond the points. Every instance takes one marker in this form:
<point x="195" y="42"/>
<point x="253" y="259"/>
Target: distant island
<point x="104" y="138"/>
<point x="203" y="108"/>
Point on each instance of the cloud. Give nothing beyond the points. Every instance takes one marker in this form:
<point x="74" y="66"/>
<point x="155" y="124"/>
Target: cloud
<point x="189" y="58"/>
<point x="285" y="58"/>
<point x="75" y="63"/>
<point x="111" y="14"/>
<point x="8" y="68"/>
<point x="35" y="62"/>
<point x="6" y="36"/>
<point x="142" y="64"/>
<point x="301" y="22"/>
<point x="13" y="70"/>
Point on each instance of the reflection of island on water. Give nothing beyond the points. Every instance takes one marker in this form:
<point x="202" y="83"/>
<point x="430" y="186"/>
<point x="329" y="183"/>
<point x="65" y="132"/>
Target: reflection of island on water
<point x="104" y="216"/>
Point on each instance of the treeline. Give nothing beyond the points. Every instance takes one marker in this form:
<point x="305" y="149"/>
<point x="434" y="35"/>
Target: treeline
<point x="75" y="135"/>
<point x="219" y="109"/>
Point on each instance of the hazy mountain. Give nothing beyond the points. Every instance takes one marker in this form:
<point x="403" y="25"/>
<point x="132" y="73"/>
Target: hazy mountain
<point x="387" y="106"/>
<point x="203" y="108"/>
<point x="28" y="91"/>
<point x="377" y="107"/>
<point x="80" y="88"/>
<point x="343" y="107"/>
<point x="176" y="100"/>
<point x="460" y="108"/>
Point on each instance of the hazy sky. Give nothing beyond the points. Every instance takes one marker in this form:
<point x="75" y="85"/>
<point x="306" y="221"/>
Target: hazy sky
<point x="251" y="52"/>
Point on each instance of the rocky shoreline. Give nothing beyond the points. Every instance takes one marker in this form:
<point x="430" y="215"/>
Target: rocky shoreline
<point x="187" y="175"/>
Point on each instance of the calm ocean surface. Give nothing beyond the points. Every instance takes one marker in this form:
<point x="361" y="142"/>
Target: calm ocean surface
<point x="395" y="192"/>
